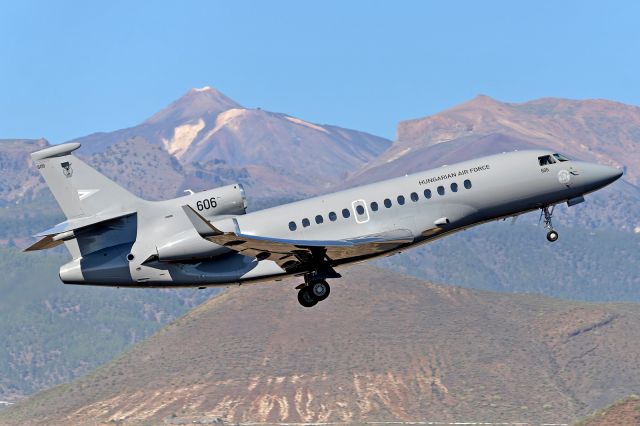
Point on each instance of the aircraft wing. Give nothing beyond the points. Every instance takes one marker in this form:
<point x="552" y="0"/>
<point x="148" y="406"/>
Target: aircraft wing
<point x="291" y="254"/>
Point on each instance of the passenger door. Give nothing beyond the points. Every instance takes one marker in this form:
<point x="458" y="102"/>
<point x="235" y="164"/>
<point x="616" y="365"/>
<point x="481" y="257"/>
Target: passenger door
<point x="360" y="211"/>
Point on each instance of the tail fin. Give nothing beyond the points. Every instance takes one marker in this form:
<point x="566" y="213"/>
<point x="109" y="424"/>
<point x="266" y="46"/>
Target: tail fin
<point x="79" y="189"/>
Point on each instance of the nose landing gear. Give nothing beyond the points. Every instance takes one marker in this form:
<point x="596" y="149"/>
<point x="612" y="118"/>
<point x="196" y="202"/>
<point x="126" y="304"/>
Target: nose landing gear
<point x="552" y="235"/>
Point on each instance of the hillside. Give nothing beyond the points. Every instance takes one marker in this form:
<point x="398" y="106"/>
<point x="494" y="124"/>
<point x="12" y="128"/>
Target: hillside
<point x="51" y="332"/>
<point x="500" y="256"/>
<point x="601" y="131"/>
<point x="385" y="347"/>
<point x="18" y="177"/>
<point x="624" y="412"/>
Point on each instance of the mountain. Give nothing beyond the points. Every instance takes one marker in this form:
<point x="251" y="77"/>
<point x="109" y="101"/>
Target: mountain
<point x="18" y="177"/>
<point x="207" y="135"/>
<point x="601" y="131"/>
<point x="203" y="140"/>
<point x="386" y="347"/>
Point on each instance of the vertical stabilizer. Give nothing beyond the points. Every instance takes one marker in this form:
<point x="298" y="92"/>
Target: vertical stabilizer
<point x="79" y="189"/>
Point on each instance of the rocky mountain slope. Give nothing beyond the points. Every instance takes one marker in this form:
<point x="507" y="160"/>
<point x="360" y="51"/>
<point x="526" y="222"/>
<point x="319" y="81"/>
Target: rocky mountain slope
<point x="211" y="136"/>
<point x="384" y="347"/>
<point x="594" y="130"/>
<point x="203" y="140"/>
<point x="18" y="177"/>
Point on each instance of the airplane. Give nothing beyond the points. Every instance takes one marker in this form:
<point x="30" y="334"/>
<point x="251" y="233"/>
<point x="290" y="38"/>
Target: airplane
<point x="207" y="238"/>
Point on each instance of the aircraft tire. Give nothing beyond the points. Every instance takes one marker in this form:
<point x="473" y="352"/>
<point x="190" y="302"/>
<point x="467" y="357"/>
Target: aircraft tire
<point x="305" y="298"/>
<point x="552" y="236"/>
<point x="320" y="290"/>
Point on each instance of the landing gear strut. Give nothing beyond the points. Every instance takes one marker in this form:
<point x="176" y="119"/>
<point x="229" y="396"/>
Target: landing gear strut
<point x="552" y="235"/>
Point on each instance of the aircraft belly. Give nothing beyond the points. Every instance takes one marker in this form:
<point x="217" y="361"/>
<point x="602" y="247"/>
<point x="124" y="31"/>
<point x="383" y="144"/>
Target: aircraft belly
<point x="231" y="268"/>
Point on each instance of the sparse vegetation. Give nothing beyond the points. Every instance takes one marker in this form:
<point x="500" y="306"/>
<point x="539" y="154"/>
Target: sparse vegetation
<point x="387" y="347"/>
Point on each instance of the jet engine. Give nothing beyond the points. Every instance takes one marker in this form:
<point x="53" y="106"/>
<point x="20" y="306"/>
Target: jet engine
<point x="226" y="200"/>
<point x="186" y="244"/>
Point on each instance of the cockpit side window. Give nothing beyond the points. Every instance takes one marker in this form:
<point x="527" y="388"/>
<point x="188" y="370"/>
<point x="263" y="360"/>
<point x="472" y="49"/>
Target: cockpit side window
<point x="545" y="160"/>
<point x="560" y="157"/>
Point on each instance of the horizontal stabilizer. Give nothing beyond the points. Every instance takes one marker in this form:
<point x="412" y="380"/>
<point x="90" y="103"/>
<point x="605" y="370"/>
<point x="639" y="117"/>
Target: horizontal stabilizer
<point x="82" y="222"/>
<point x="64" y="231"/>
<point x="44" y="243"/>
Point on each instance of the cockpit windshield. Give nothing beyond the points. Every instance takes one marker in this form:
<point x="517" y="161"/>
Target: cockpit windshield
<point x="546" y="160"/>
<point x="560" y="157"/>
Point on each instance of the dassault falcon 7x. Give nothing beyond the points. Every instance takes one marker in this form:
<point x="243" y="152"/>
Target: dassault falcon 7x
<point x="207" y="239"/>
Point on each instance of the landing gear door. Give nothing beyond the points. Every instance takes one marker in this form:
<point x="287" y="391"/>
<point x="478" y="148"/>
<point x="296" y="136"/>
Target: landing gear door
<point x="360" y="211"/>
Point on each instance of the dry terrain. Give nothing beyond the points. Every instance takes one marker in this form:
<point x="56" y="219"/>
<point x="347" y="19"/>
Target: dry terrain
<point x="384" y="347"/>
<point x="622" y="413"/>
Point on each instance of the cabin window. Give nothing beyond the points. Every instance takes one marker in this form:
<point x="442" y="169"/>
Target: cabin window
<point x="454" y="187"/>
<point x="560" y="157"/>
<point x="292" y="226"/>
<point x="545" y="160"/>
<point x="346" y="213"/>
<point x="387" y="203"/>
<point x="374" y="206"/>
<point x="467" y="184"/>
<point x="305" y="222"/>
<point x="414" y="197"/>
<point x="427" y="193"/>
<point x="441" y="190"/>
<point x="333" y="216"/>
<point x="319" y="219"/>
<point x="360" y="210"/>
<point x="401" y="199"/>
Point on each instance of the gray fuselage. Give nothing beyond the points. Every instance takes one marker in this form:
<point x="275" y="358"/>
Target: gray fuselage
<point x="428" y="204"/>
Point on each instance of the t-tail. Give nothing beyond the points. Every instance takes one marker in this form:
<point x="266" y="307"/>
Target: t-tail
<point x="92" y="203"/>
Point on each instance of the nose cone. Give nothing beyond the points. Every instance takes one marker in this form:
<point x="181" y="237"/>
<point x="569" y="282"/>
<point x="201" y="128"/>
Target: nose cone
<point x="599" y="176"/>
<point x="609" y="174"/>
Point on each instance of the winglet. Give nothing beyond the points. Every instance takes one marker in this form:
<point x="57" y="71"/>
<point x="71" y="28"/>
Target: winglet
<point x="202" y="225"/>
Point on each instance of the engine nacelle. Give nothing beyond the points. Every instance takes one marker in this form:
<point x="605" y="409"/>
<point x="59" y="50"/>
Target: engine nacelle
<point x="184" y="243"/>
<point x="188" y="245"/>
<point x="226" y="200"/>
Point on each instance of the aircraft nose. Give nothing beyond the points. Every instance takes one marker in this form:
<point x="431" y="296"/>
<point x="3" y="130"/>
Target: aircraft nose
<point x="601" y="175"/>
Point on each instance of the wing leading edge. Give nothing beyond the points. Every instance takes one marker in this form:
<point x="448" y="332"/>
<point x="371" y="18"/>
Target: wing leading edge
<point x="295" y="254"/>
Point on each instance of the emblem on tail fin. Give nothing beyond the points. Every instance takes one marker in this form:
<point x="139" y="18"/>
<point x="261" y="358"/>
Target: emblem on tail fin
<point x="66" y="169"/>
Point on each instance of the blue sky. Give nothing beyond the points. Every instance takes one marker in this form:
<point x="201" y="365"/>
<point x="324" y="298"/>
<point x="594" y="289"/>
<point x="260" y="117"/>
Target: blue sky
<point x="72" y="68"/>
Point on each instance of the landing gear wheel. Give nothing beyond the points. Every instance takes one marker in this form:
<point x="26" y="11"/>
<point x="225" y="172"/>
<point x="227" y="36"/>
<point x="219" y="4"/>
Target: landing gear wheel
<point x="319" y="290"/>
<point x="552" y="235"/>
<point x="305" y="298"/>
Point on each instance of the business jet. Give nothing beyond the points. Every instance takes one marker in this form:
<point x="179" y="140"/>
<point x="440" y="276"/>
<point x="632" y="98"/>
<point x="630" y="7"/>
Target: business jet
<point x="207" y="239"/>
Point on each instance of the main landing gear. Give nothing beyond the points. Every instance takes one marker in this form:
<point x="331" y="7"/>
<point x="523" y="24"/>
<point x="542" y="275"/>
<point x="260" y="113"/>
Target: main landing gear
<point x="552" y="235"/>
<point x="313" y="292"/>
